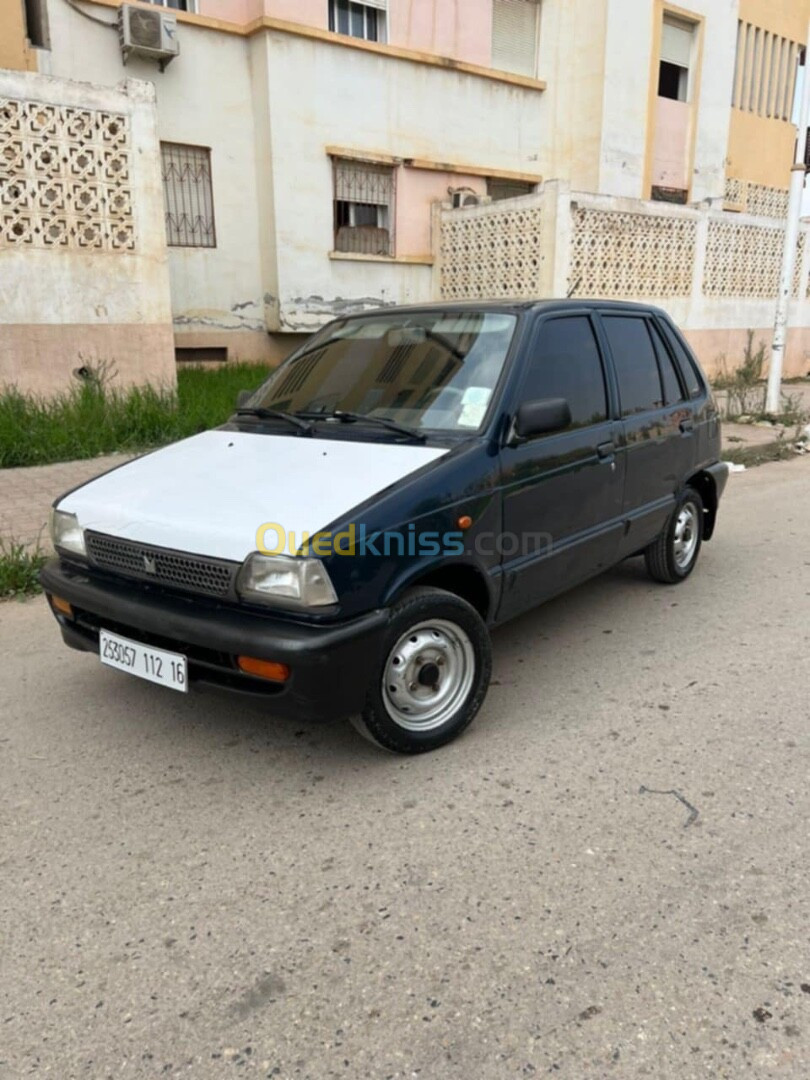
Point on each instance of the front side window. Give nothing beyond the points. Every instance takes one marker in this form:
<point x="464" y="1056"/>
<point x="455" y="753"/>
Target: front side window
<point x="434" y="370"/>
<point x="635" y="363"/>
<point x="188" y="195"/>
<point x="565" y="363"/>
<point x="358" y="19"/>
<point x="515" y="25"/>
<point x="363" y="207"/>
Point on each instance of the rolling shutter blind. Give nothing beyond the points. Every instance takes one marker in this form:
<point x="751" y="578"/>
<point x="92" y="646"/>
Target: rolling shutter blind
<point x="357" y="182"/>
<point x="514" y="36"/>
<point x="380" y="5"/>
<point x="676" y="43"/>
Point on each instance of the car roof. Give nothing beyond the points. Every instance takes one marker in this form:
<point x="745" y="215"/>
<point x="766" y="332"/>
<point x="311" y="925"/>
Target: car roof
<point x="518" y="306"/>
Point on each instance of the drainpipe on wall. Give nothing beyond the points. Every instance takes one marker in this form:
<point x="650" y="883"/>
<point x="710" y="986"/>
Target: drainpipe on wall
<point x="797" y="174"/>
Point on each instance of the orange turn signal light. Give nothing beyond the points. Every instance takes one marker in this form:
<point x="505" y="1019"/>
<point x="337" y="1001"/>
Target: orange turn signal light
<point x="263" y="669"/>
<point x="464" y="522"/>
<point x="61" y="606"/>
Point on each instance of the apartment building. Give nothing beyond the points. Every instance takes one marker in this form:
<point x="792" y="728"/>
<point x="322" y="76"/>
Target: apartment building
<point x="298" y="150"/>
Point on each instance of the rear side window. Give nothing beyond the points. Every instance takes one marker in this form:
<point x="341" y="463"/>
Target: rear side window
<point x="565" y="363"/>
<point x="673" y="392"/>
<point x="636" y="366"/>
<point x="694" y="384"/>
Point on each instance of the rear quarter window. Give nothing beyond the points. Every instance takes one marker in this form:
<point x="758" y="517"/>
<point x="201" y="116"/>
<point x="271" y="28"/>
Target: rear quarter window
<point x="689" y="371"/>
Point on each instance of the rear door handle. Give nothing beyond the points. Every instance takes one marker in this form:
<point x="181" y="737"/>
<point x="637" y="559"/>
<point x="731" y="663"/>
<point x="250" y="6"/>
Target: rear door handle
<point x="606" y="450"/>
<point x="686" y="425"/>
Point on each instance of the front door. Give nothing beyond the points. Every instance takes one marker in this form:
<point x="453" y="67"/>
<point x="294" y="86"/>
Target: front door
<point x="562" y="492"/>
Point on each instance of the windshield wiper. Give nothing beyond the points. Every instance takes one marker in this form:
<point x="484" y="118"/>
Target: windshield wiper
<point x="277" y="414"/>
<point x="361" y="418"/>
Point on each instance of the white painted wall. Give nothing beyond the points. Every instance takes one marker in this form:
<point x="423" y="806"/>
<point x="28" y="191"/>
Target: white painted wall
<point x="716" y="80"/>
<point x="628" y="57"/>
<point x="715" y="323"/>
<point x="268" y="106"/>
<point x="66" y="307"/>
<point x="333" y="96"/>
<point x="204" y="99"/>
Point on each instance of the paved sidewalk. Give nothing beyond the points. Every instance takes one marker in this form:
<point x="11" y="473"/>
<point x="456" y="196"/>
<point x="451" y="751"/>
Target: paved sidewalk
<point x="26" y="494"/>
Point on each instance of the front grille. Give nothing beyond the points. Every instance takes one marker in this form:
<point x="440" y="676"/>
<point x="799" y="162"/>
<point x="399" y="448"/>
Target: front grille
<point x="192" y="573"/>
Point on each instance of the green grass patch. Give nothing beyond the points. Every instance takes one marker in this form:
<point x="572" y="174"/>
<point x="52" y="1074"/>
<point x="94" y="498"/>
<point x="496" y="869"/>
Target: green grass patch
<point x="93" y="418"/>
<point x="19" y="570"/>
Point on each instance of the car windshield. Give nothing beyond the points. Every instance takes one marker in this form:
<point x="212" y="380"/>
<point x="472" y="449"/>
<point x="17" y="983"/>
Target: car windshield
<point x="426" y="371"/>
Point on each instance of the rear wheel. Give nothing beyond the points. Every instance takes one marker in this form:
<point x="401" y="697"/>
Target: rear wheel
<point x="434" y="673"/>
<point x="671" y="557"/>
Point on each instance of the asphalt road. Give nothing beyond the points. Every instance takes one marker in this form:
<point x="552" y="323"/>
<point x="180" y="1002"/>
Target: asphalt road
<point x="190" y="888"/>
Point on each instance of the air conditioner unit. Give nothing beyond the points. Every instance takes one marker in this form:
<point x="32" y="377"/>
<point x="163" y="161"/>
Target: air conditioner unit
<point x="148" y="32"/>
<point x="464" y="198"/>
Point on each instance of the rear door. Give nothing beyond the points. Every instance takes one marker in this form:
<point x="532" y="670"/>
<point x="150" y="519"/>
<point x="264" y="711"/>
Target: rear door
<point x="658" y="424"/>
<point x="562" y="491"/>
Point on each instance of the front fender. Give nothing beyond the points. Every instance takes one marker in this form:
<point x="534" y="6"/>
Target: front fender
<point x="453" y="570"/>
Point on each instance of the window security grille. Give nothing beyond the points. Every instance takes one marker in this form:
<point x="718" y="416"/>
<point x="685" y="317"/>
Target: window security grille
<point x="188" y="195"/>
<point x="363" y="207"/>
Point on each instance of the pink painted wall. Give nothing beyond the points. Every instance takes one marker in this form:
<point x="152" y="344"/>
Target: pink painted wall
<point x="670" y="166"/>
<point x="236" y="11"/>
<point x="712" y="345"/>
<point x="309" y="12"/>
<point x="417" y="189"/>
<point x="461" y="29"/>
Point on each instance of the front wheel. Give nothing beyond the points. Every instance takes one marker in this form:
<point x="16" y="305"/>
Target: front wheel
<point x="671" y="557"/>
<point x="434" y="675"/>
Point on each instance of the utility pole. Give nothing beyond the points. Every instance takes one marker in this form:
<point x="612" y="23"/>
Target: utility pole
<point x="797" y="174"/>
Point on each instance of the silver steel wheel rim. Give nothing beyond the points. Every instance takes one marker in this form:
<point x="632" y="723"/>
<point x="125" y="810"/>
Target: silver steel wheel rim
<point x="684" y="542"/>
<point x="428" y="675"/>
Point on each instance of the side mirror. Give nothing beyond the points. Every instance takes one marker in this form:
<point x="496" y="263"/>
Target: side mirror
<point x="243" y="397"/>
<point x="539" y="418"/>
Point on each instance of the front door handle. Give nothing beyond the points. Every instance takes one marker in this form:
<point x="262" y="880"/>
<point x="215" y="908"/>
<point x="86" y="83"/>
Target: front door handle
<point x="606" y="450"/>
<point x="686" y="426"/>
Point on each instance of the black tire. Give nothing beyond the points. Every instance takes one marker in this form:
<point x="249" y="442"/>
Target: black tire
<point x="666" y="561"/>
<point x="436" y="656"/>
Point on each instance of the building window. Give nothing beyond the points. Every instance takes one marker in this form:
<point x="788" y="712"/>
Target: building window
<point x="364" y="19"/>
<point x="515" y="27"/>
<point x="36" y="23"/>
<point x="508" y="189"/>
<point x="175" y="5"/>
<point x="364" y="207"/>
<point x="677" y="40"/>
<point x="188" y="195"/>
<point x="765" y="72"/>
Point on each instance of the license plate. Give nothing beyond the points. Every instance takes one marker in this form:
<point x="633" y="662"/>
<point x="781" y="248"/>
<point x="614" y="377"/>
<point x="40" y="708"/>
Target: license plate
<point x="156" y="665"/>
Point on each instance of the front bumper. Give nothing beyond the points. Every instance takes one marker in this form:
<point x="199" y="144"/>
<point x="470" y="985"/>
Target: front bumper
<point x="330" y="664"/>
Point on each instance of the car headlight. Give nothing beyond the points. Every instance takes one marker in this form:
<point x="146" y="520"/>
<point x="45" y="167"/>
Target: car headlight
<point x="285" y="581"/>
<point x="66" y="533"/>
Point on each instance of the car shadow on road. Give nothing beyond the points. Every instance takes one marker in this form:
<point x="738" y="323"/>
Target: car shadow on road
<point x="203" y="721"/>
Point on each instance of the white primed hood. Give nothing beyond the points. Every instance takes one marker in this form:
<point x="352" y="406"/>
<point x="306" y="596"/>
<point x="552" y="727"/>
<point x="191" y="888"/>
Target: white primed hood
<point x="210" y="493"/>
